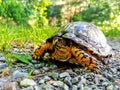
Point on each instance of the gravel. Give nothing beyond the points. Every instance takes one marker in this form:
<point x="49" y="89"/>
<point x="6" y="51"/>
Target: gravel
<point x="48" y="76"/>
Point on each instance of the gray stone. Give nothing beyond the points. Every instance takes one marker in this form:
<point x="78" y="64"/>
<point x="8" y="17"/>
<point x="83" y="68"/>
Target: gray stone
<point x="45" y="68"/>
<point x="54" y="75"/>
<point x="56" y="83"/>
<point x="65" y="87"/>
<point x="110" y="87"/>
<point x="74" y="87"/>
<point x="37" y="88"/>
<point x="35" y="72"/>
<point x="46" y="78"/>
<point x="64" y="74"/>
<point x="67" y="80"/>
<point x="28" y="88"/>
<point x="46" y="87"/>
<point x="41" y="81"/>
<point x="27" y="82"/>
<point x="18" y="74"/>
<point x="75" y="80"/>
<point x="82" y="81"/>
<point x="3" y="65"/>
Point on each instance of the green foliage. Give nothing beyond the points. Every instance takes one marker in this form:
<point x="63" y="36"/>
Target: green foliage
<point x="93" y="12"/>
<point x="22" y="58"/>
<point x="22" y="36"/>
<point x="39" y="8"/>
<point x="14" y="10"/>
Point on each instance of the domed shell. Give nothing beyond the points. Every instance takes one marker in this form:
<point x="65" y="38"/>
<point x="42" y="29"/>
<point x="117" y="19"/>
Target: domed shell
<point x="87" y="35"/>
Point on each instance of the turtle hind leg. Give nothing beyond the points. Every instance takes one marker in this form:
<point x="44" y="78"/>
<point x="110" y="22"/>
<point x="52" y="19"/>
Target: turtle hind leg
<point x="82" y="58"/>
<point x="41" y="50"/>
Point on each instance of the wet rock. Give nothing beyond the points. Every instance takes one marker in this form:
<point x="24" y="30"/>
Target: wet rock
<point x="27" y="82"/>
<point x="18" y="74"/>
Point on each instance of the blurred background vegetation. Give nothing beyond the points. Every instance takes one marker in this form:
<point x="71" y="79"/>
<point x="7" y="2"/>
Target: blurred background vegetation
<point x="25" y="21"/>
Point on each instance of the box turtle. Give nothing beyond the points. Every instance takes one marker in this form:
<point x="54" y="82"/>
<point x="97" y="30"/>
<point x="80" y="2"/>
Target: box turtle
<point x="79" y="43"/>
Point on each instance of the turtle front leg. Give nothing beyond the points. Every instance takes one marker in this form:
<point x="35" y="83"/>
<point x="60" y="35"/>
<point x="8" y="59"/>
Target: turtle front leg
<point x="82" y="58"/>
<point x="41" y="50"/>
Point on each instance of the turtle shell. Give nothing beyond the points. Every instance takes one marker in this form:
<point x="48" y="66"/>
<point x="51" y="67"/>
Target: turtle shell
<point x="87" y="35"/>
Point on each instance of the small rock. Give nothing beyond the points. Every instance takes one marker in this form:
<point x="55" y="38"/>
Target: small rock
<point x="67" y="80"/>
<point x="65" y="87"/>
<point x="41" y="81"/>
<point x="37" y="88"/>
<point x="109" y="87"/>
<point x="46" y="87"/>
<point x="64" y="74"/>
<point x="45" y="68"/>
<point x="27" y="82"/>
<point x="18" y="74"/>
<point x="56" y="83"/>
<point x="82" y="81"/>
<point x="46" y="78"/>
<point x="35" y="72"/>
<point x="11" y="86"/>
<point x="37" y="66"/>
<point x="28" y="88"/>
<point x="3" y="65"/>
<point x="74" y="87"/>
<point x="75" y="80"/>
<point x="54" y="75"/>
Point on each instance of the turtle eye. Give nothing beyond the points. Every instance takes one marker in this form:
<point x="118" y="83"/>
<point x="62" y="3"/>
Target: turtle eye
<point x="62" y="41"/>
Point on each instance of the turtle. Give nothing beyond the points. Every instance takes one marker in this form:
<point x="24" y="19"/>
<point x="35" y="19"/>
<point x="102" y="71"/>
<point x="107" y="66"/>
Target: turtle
<point x="79" y="43"/>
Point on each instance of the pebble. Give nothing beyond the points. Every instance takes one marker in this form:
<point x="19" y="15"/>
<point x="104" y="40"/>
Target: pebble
<point x="28" y="88"/>
<point x="56" y="83"/>
<point x="74" y="87"/>
<point x="75" y="80"/>
<point x="67" y="80"/>
<point x="18" y="74"/>
<point x="3" y="65"/>
<point x="110" y="87"/>
<point x="27" y="82"/>
<point x="46" y="87"/>
<point x="54" y="75"/>
<point x="64" y="74"/>
<point x="65" y="87"/>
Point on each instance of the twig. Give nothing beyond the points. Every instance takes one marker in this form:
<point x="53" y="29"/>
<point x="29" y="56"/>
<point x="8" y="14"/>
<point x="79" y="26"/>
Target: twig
<point x="39" y="75"/>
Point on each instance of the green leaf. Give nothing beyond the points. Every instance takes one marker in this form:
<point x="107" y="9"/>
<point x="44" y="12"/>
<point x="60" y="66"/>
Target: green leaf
<point x="23" y="58"/>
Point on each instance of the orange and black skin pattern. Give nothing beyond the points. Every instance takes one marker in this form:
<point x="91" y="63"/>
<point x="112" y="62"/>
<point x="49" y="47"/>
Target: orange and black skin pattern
<point x="65" y="51"/>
